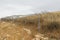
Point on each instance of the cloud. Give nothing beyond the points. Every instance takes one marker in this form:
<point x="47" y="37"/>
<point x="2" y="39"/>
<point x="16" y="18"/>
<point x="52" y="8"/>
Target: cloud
<point x="24" y="7"/>
<point x="48" y="5"/>
<point x="12" y="9"/>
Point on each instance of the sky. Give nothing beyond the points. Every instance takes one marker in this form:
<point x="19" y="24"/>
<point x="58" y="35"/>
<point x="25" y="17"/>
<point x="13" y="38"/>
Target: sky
<point x="26" y="7"/>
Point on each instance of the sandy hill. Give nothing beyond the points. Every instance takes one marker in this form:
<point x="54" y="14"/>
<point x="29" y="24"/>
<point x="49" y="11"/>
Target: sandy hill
<point x="45" y="26"/>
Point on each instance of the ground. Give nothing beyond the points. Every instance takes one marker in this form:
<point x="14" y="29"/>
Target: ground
<point x="27" y="28"/>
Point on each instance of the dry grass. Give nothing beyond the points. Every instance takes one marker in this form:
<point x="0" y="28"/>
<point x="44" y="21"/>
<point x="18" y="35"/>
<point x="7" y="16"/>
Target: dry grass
<point x="26" y="28"/>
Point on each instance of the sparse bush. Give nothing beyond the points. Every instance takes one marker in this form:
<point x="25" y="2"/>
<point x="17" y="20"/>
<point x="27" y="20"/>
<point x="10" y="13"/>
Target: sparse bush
<point x="4" y="19"/>
<point x="50" y="27"/>
<point x="29" y="22"/>
<point x="53" y="26"/>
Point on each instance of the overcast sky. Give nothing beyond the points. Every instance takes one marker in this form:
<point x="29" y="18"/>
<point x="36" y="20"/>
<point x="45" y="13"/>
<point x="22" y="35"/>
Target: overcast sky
<point x="24" y="7"/>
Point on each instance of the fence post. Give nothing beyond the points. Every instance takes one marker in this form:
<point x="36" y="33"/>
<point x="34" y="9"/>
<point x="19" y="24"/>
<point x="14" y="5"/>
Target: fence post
<point x="39" y="22"/>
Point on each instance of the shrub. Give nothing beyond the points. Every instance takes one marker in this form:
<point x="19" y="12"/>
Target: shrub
<point x="53" y="26"/>
<point x="50" y="27"/>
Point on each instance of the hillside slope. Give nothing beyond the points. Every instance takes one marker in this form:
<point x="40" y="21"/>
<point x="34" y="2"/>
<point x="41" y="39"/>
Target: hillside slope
<point x="44" y="26"/>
